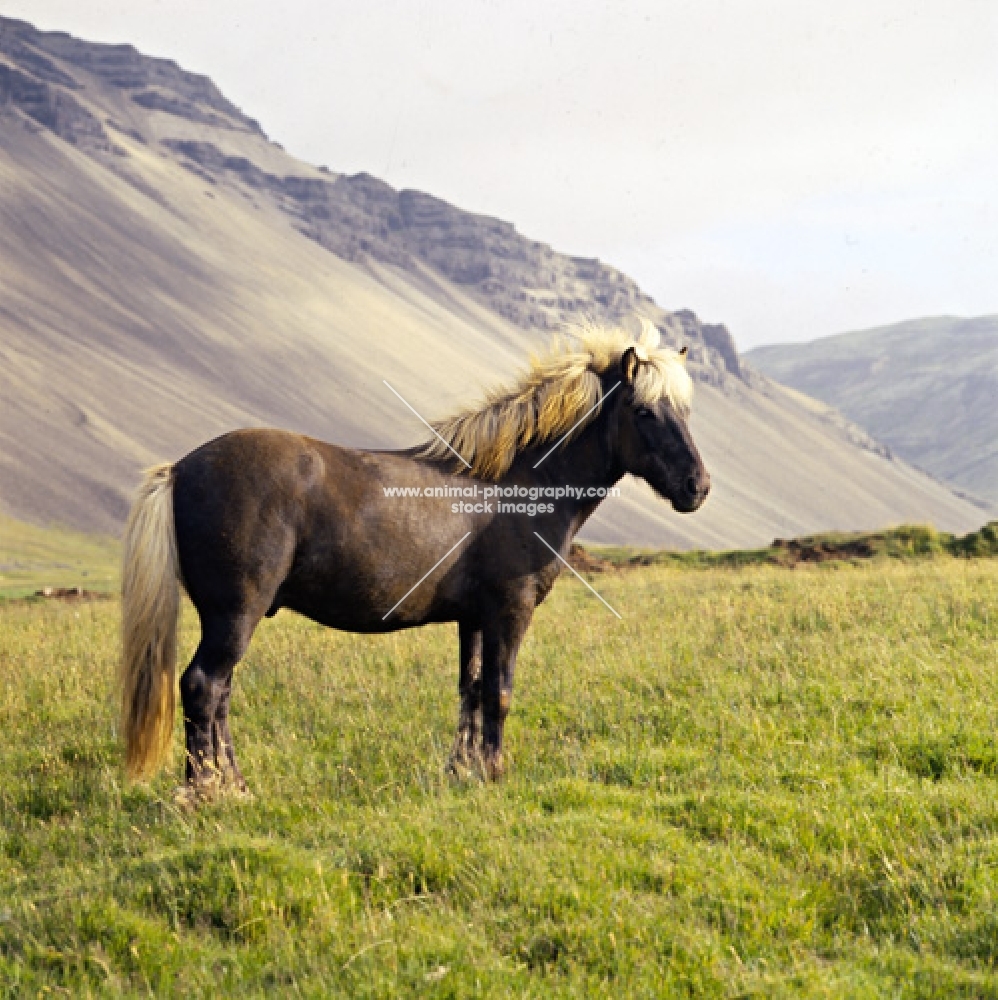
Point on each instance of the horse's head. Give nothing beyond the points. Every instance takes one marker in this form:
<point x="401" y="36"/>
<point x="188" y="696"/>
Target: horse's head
<point x="653" y="435"/>
<point x="643" y="425"/>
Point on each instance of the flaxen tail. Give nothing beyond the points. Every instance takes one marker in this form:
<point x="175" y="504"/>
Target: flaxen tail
<point x="150" y="606"/>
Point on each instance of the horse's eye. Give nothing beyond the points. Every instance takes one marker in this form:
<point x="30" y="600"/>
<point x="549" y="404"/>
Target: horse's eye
<point x="644" y="413"/>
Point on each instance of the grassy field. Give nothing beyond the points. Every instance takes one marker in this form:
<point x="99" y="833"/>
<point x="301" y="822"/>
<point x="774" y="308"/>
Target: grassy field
<point x="762" y="782"/>
<point x="33" y="557"/>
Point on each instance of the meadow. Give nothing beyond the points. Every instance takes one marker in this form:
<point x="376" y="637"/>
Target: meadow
<point x="761" y="782"/>
<point x="32" y="557"/>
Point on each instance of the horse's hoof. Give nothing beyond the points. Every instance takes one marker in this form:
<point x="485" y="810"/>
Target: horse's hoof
<point x="241" y="791"/>
<point x="461" y="761"/>
<point x="465" y="759"/>
<point x="463" y="767"/>
<point x="186" y="798"/>
<point x="494" y="767"/>
<point x="211" y="789"/>
<point x="190" y="799"/>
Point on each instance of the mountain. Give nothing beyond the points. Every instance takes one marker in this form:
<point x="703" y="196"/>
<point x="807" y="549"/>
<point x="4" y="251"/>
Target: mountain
<point x="169" y="273"/>
<point x="927" y="388"/>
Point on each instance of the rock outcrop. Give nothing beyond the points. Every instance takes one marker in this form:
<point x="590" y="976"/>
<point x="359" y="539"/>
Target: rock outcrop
<point x="356" y="217"/>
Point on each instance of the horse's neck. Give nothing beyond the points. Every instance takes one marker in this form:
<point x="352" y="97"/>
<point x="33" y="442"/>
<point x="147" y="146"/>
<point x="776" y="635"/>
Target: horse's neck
<point x="582" y="463"/>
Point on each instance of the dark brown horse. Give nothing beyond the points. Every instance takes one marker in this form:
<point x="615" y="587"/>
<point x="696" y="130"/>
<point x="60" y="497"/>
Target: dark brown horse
<point x="259" y="520"/>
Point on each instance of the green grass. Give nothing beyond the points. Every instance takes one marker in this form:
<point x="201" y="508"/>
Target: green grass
<point x="759" y="783"/>
<point x="32" y="557"/>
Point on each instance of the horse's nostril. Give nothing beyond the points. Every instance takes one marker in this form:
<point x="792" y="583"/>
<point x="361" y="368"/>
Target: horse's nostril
<point x="691" y="486"/>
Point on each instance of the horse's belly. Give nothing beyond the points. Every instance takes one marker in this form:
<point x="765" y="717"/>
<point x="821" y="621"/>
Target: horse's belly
<point x="376" y="593"/>
<point x="351" y="615"/>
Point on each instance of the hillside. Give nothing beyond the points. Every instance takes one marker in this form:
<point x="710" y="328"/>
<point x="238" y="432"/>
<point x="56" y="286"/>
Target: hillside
<point x="170" y="273"/>
<point x="928" y="388"/>
<point x="32" y="558"/>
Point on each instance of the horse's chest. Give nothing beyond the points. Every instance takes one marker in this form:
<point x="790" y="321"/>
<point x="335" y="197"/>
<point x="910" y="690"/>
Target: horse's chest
<point x="545" y="582"/>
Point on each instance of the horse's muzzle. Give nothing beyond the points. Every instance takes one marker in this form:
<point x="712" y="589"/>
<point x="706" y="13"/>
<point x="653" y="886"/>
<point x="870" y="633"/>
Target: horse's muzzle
<point x="693" y="493"/>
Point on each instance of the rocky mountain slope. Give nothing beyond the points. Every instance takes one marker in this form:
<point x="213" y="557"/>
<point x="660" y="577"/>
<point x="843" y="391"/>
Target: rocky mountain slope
<point x="928" y="388"/>
<point x="169" y="273"/>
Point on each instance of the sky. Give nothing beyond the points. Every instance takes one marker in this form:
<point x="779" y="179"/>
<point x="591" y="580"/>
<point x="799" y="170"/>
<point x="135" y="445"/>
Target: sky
<point x="792" y="169"/>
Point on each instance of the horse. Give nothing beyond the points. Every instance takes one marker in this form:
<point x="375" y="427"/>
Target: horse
<point x="258" y="520"/>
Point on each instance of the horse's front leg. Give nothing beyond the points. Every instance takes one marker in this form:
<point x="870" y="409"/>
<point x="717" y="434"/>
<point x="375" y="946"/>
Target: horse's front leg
<point x="501" y="639"/>
<point x="467" y="749"/>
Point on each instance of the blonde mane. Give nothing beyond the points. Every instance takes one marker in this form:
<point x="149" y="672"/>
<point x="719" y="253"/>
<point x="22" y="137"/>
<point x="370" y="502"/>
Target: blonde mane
<point x="559" y="389"/>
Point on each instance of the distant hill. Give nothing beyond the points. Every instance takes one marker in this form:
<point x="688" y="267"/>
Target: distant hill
<point x="169" y="273"/>
<point x="927" y="388"/>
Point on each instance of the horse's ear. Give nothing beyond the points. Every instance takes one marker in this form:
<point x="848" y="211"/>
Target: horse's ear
<point x="630" y="360"/>
<point x="682" y="352"/>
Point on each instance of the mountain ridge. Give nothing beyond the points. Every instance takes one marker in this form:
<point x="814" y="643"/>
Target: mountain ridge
<point x="926" y="387"/>
<point x="171" y="273"/>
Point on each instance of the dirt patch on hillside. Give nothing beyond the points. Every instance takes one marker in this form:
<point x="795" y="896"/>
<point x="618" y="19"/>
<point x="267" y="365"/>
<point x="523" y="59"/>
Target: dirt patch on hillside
<point x="791" y="551"/>
<point x="583" y="561"/>
<point x="68" y="594"/>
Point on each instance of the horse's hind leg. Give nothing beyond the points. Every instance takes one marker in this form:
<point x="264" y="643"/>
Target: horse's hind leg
<point x="225" y="755"/>
<point x="467" y="748"/>
<point x="205" y="688"/>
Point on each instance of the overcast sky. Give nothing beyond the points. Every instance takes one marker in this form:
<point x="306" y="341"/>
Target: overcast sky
<point x="791" y="169"/>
